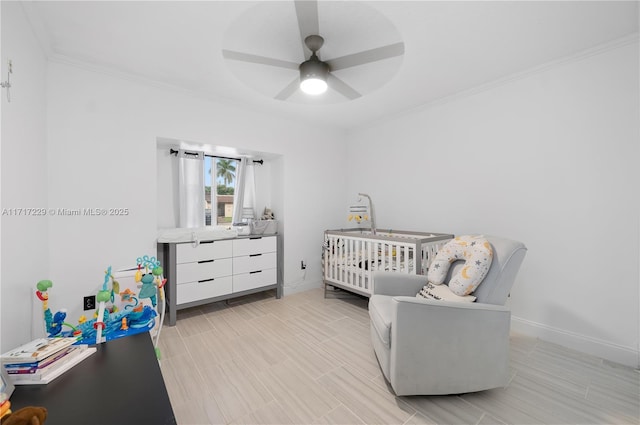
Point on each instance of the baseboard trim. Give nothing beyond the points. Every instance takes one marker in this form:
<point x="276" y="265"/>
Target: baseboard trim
<point x="300" y="287"/>
<point x="593" y="346"/>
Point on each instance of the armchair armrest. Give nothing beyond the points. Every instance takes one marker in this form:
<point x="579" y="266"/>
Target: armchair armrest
<point x="449" y="305"/>
<point x="397" y="284"/>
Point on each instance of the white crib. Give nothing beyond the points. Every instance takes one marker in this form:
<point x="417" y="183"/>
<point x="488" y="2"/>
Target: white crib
<point x="350" y="256"/>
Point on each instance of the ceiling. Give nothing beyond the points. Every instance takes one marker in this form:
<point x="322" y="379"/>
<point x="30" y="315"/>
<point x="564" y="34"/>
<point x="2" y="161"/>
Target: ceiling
<point x="450" y="46"/>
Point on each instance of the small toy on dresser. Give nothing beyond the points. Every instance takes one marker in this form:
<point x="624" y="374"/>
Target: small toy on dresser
<point x="267" y="214"/>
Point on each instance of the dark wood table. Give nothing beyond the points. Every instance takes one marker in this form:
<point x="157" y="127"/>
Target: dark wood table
<point x="120" y="384"/>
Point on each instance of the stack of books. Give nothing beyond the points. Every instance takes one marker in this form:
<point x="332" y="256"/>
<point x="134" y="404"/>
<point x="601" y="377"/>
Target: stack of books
<point x="43" y="360"/>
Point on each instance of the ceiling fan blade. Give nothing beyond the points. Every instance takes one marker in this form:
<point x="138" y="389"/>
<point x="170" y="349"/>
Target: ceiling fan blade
<point x="290" y="89"/>
<point x="366" y="56"/>
<point x="262" y="60"/>
<point x="341" y="87"/>
<point x="307" y="14"/>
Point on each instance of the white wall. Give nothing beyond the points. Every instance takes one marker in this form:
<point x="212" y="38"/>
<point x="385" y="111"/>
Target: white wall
<point x="550" y="159"/>
<point x="102" y="154"/>
<point x="24" y="176"/>
<point x="102" y="142"/>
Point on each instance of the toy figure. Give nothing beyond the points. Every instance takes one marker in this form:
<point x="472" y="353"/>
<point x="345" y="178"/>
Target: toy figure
<point x="109" y="322"/>
<point x="148" y="289"/>
<point x="30" y="415"/>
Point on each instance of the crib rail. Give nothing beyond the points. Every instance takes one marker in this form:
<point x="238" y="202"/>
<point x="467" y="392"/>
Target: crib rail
<point x="351" y="256"/>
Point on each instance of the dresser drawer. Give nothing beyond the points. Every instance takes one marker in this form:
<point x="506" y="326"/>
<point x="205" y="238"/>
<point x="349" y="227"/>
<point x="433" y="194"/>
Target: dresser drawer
<point x="196" y="291"/>
<point x="245" y="281"/>
<point x="255" y="245"/>
<point x="251" y="263"/>
<point x="205" y="269"/>
<point x="187" y="253"/>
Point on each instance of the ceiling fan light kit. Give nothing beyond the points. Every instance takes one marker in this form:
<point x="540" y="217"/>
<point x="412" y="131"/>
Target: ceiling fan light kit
<point x="313" y="85"/>
<point x="316" y="76"/>
<point x="313" y="72"/>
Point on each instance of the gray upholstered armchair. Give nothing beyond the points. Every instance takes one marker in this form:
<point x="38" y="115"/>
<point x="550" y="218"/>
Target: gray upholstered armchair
<point x="433" y="347"/>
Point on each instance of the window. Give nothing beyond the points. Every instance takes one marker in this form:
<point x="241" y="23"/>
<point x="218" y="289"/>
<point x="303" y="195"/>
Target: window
<point x="219" y="189"/>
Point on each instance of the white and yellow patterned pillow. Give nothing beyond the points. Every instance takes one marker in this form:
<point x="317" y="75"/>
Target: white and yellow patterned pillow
<point x="477" y="254"/>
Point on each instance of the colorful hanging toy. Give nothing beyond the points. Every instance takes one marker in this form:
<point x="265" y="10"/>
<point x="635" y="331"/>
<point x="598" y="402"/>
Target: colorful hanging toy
<point x="149" y="280"/>
<point x="358" y="213"/>
<point x="53" y="323"/>
<point x="109" y="322"/>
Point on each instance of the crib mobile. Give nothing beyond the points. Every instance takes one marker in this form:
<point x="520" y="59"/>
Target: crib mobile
<point x="109" y="322"/>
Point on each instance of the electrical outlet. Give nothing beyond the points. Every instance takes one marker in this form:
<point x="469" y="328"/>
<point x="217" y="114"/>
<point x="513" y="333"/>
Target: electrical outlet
<point x="89" y="302"/>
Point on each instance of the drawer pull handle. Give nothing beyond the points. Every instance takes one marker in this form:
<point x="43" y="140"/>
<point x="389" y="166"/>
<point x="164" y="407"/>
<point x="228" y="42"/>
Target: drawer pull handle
<point x="204" y="242"/>
<point x="255" y="255"/>
<point x="257" y="271"/>
<point x="206" y="280"/>
<point x="206" y="261"/>
<point x="255" y="237"/>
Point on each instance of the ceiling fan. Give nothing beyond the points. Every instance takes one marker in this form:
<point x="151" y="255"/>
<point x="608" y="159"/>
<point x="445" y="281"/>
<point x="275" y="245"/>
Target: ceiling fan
<point x="315" y="74"/>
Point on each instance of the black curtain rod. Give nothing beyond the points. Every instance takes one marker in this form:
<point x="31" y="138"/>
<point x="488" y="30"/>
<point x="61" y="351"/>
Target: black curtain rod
<point x="255" y="161"/>
<point x="176" y="152"/>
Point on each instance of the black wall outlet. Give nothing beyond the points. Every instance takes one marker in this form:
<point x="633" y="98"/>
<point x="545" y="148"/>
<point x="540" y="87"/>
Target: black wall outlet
<point x="90" y="302"/>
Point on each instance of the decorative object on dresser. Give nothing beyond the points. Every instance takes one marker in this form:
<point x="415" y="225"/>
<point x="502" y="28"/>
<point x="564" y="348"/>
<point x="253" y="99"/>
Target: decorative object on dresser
<point x="214" y="270"/>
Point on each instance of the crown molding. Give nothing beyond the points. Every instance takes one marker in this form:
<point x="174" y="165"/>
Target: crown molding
<point x="538" y="69"/>
<point x="37" y="26"/>
<point x="204" y="95"/>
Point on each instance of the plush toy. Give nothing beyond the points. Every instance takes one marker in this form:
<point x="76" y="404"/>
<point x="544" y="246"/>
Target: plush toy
<point x="267" y="214"/>
<point x="30" y="415"/>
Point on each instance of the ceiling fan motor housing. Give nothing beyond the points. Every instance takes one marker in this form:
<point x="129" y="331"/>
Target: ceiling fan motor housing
<point x="314" y="68"/>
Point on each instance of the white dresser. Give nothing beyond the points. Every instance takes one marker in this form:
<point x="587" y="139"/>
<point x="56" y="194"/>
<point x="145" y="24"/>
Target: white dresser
<point x="218" y="270"/>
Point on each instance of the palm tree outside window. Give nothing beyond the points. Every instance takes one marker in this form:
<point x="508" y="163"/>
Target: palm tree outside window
<point x="220" y="173"/>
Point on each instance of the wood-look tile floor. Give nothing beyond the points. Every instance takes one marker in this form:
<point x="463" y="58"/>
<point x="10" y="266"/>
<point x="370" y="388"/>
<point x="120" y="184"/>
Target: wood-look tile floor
<point x="306" y="359"/>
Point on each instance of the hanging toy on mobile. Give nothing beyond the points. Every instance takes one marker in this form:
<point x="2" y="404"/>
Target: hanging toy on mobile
<point x="363" y="213"/>
<point x="53" y="322"/>
<point x="153" y="283"/>
<point x="150" y="279"/>
<point x="102" y="297"/>
<point x="360" y="212"/>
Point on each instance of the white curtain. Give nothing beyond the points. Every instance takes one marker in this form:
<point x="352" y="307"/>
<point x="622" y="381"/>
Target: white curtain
<point x="191" y="188"/>
<point x="249" y="195"/>
<point x="244" y="199"/>
<point x="238" y="194"/>
<point x="214" y="192"/>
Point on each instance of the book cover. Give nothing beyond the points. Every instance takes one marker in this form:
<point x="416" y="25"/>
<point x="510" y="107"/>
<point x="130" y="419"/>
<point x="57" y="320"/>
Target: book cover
<point x="22" y="370"/>
<point x="37" y="350"/>
<point x="39" y="367"/>
<point x="13" y="367"/>
<point x="39" y="372"/>
<point x="56" y="369"/>
<point x="75" y="352"/>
